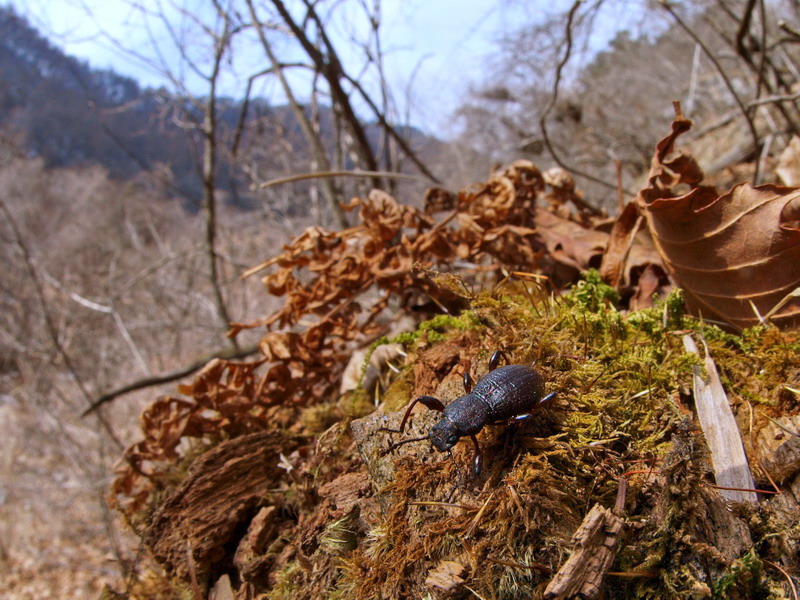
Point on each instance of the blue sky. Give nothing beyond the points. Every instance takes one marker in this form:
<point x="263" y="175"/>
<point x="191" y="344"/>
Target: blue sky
<point x="436" y="47"/>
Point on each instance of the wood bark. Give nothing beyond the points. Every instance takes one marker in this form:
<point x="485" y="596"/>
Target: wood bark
<point x="220" y="495"/>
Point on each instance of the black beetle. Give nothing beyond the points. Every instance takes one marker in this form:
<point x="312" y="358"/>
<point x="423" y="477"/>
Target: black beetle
<point x="506" y="393"/>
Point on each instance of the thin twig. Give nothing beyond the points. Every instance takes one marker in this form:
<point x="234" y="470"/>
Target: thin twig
<point x="314" y="141"/>
<point x="108" y="310"/>
<point x="401" y="141"/>
<point x="330" y="67"/>
<point x="728" y="83"/>
<point x="762" y="63"/>
<point x="245" y="105"/>
<point x="785" y="574"/>
<point x="445" y="504"/>
<point x="50" y="325"/>
<point x="738" y="489"/>
<point x="788" y="29"/>
<point x="321" y="174"/>
<point x="554" y="98"/>
<point x="744" y="26"/>
<point x="210" y="131"/>
<point x="771" y="99"/>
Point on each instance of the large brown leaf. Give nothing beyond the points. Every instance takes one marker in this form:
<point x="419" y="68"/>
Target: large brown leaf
<point x="733" y="254"/>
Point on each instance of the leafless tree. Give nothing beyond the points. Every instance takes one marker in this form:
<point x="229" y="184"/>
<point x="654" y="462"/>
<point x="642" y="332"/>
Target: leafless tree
<point x="734" y="64"/>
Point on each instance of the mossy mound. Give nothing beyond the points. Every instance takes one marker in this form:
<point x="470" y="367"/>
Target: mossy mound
<point x="354" y="520"/>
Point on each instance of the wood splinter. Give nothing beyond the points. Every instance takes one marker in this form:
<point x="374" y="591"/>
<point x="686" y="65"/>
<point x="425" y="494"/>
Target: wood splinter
<point x="595" y="548"/>
<point x="447" y="578"/>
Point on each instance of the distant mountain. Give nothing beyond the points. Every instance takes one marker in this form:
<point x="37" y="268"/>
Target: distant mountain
<point x="70" y="114"/>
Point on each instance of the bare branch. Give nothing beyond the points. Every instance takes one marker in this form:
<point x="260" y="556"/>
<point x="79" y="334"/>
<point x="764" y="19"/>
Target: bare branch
<point x="224" y="354"/>
<point x="744" y="26"/>
<point x="321" y="174"/>
<point x="554" y="98"/>
<point x="795" y="35"/>
<point x="772" y="99"/>
<point x="48" y="319"/>
<point x="299" y="114"/>
<point x="222" y="42"/>
<point x="707" y="51"/>
<point x="331" y="68"/>
<point x="393" y="132"/>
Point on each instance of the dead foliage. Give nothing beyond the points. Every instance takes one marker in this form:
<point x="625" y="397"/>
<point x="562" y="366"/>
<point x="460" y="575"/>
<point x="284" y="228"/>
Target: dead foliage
<point x="338" y="288"/>
<point x="225" y="402"/>
<point x="322" y="519"/>
<point x="737" y="254"/>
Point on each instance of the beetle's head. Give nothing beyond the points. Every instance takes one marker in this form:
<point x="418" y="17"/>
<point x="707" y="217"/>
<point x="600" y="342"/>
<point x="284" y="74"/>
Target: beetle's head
<point x="444" y="435"/>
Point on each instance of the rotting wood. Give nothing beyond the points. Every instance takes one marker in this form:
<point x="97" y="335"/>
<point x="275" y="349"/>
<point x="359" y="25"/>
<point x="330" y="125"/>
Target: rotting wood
<point x="731" y="469"/>
<point x="346" y="491"/>
<point x="595" y="548"/>
<point x="221" y="492"/>
<point x="447" y="578"/>
<point x="779" y="447"/>
<point x="248" y="557"/>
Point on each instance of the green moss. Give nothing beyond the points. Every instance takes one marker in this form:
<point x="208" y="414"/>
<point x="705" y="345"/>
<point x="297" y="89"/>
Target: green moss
<point x="593" y="293"/>
<point x="437" y="328"/>
<point x="340" y="535"/>
<point x="674" y="308"/>
<point x="621" y="383"/>
<point x="743" y="579"/>
<point x="288" y="584"/>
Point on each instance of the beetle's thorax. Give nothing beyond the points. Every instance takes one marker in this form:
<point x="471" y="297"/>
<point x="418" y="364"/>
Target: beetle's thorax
<point x="469" y="414"/>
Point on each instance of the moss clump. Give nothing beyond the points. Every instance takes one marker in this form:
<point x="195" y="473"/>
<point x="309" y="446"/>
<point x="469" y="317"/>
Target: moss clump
<point x="593" y="293"/>
<point x="288" y="584"/>
<point x="743" y="579"/>
<point x="622" y="411"/>
<point x="623" y="384"/>
<point x="440" y="326"/>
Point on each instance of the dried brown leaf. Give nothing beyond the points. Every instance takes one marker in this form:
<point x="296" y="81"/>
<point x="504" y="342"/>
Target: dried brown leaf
<point x="730" y="253"/>
<point x="619" y="244"/>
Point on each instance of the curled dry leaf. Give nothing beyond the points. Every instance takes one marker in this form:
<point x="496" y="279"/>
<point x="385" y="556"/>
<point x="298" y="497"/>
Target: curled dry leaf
<point x="737" y="256"/>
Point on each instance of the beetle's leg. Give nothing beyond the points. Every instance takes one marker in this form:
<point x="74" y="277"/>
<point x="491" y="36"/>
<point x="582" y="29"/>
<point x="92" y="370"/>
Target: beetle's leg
<point x="428" y="401"/>
<point x="477" y="459"/>
<point x="467" y="381"/>
<point x="541" y="404"/>
<point x="495" y="359"/>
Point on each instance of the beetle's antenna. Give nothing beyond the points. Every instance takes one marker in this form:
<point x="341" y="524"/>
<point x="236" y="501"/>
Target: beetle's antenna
<point x="403" y="442"/>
